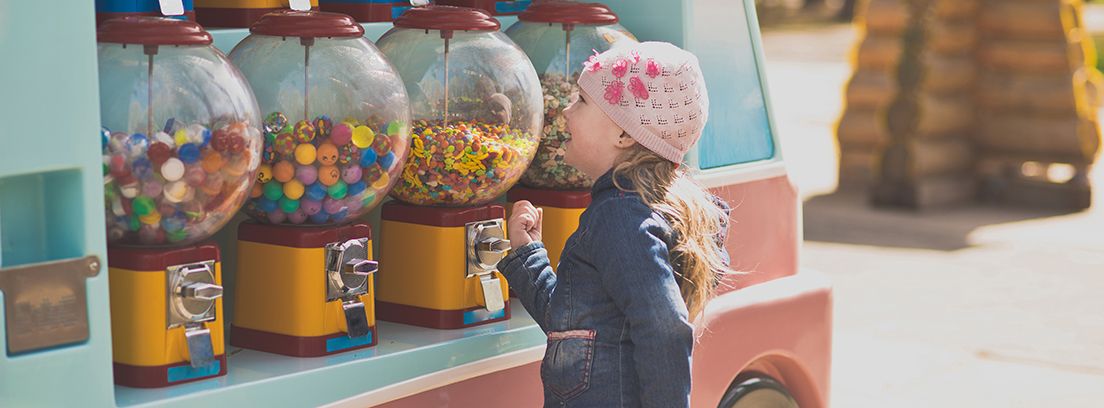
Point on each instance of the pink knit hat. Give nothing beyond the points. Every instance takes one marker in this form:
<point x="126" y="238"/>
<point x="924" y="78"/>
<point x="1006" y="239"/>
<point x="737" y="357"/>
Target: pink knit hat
<point x="654" y="91"/>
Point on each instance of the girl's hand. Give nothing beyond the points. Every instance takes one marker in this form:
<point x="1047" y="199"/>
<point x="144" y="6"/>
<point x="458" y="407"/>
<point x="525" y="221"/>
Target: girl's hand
<point x="524" y="225"/>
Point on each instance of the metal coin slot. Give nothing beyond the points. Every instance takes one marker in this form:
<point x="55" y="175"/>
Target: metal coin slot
<point x="348" y="268"/>
<point x="486" y="245"/>
<point x="347" y="272"/>
<point x="192" y="293"/>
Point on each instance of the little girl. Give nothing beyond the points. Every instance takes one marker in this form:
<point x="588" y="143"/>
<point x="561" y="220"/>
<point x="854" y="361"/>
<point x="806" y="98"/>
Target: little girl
<point x="647" y="254"/>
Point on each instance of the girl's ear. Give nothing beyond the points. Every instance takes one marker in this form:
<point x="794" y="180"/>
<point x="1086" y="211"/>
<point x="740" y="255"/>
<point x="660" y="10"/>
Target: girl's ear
<point x="625" y="141"/>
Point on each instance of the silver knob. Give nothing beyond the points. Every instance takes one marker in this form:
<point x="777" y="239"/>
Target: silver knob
<point x="362" y="267"/>
<point x="201" y="291"/>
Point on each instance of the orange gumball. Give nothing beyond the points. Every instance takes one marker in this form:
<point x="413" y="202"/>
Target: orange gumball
<point x="283" y="171"/>
<point x="212" y="162"/>
<point x="257" y="190"/>
<point x="328" y="175"/>
<point x="327" y="154"/>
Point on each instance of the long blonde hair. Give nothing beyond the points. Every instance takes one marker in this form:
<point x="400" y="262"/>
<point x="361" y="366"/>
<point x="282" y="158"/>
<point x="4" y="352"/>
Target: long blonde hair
<point x="696" y="220"/>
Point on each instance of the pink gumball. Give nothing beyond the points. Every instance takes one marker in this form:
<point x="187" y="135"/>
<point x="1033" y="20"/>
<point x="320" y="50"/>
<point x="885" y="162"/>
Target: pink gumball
<point x="332" y="206"/>
<point x="276" y="216"/>
<point x="310" y="207"/>
<point x="306" y="174"/>
<point x="342" y="133"/>
<point x="297" y="217"/>
<point x="351" y="174"/>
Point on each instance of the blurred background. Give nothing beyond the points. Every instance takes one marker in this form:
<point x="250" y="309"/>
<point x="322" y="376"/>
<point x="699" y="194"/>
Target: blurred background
<point x="944" y="150"/>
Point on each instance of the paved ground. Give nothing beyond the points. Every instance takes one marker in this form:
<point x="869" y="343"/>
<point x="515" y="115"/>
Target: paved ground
<point x="973" y="307"/>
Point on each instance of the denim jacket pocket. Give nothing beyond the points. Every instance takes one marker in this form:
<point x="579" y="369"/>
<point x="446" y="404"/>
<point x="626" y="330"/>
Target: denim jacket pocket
<point x="567" y="362"/>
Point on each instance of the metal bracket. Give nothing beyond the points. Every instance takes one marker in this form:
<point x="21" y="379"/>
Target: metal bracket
<point x="492" y="293"/>
<point x="356" y="322"/>
<point x="201" y="351"/>
<point x="46" y="304"/>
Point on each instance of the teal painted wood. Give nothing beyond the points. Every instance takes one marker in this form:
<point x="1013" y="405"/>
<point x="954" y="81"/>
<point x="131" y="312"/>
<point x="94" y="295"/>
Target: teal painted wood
<point x="51" y="197"/>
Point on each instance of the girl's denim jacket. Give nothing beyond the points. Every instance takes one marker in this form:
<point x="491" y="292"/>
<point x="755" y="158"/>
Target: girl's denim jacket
<point x="618" y="332"/>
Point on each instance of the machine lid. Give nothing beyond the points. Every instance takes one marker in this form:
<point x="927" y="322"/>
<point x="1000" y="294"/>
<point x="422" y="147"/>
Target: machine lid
<point x="309" y="24"/>
<point x="440" y="216"/>
<point x="148" y="30"/>
<point x="550" y="198"/>
<point x="301" y="237"/>
<point x="447" y="18"/>
<point x="563" y="12"/>
<point x="158" y="259"/>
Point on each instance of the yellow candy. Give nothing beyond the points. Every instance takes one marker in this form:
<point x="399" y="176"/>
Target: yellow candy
<point x="363" y="136"/>
<point x="293" y="189"/>
<point x="306" y="153"/>
<point x="382" y="182"/>
<point x="180" y="137"/>
<point x="152" y="218"/>
<point x="264" y="174"/>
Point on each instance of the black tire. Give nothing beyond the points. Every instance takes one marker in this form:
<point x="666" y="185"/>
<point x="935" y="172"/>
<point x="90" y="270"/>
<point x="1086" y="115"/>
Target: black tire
<point x="757" y="391"/>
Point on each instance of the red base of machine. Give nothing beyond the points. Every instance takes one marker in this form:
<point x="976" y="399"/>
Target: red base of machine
<point x="293" y="346"/>
<point x="230" y="17"/>
<point x="365" y="12"/>
<point x="158" y="376"/>
<point x="434" y="319"/>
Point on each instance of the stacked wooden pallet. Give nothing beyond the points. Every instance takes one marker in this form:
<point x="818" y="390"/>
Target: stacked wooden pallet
<point x="947" y="93"/>
<point x="1037" y="129"/>
<point x="862" y="131"/>
<point x="928" y="160"/>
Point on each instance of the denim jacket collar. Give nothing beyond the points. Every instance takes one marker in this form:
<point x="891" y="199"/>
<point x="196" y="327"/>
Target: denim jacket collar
<point x="604" y="187"/>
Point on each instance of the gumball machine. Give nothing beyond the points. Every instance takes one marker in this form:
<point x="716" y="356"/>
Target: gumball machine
<point x="558" y="36"/>
<point x="476" y="103"/>
<point x="337" y="132"/>
<point x="181" y="147"/>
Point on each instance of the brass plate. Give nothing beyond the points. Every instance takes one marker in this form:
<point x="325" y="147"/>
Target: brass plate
<point x="46" y="304"/>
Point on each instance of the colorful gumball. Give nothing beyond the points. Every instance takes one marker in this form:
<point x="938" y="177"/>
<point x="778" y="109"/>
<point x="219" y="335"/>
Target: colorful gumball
<point x="382" y="145"/>
<point x="305" y="153"/>
<point x="304" y="131"/>
<point x="275" y="122"/>
<point x="363" y="136"/>
<point x="329" y="175"/>
<point x="351" y="174"/>
<point x="323" y="126"/>
<point x="284" y="144"/>
<point x="293" y="189"/>
<point x="306" y="174"/>
<point x="283" y="171"/>
<point x="342" y="134"/>
<point x="264" y="173"/>
<point x="348" y="154"/>
<point x="327" y="154"/>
